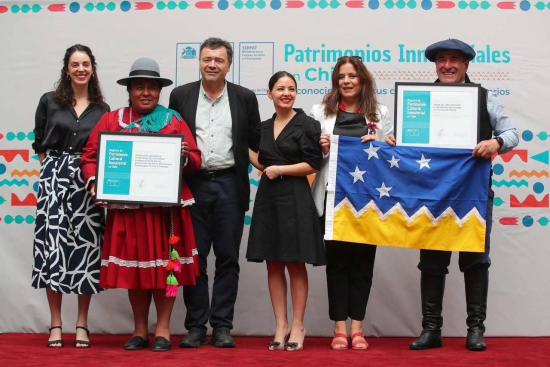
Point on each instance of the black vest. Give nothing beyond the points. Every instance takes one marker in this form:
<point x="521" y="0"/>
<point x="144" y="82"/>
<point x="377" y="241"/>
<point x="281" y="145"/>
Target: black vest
<point x="485" y="131"/>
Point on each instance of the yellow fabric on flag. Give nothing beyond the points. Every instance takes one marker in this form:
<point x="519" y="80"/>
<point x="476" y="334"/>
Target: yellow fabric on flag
<point x="397" y="231"/>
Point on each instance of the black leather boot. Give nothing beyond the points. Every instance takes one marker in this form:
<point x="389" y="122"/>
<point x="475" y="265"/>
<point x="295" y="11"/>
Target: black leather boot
<point x="476" y="283"/>
<point x="432" y="287"/>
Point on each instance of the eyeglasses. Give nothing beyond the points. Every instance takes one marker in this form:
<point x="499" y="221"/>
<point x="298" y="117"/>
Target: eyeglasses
<point x="347" y="57"/>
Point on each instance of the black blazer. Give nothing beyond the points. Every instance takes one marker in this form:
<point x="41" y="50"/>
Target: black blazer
<point x="245" y="118"/>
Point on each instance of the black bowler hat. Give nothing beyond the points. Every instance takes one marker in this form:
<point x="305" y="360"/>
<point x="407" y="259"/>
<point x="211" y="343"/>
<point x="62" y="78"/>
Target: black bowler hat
<point x="450" y="45"/>
<point x="147" y="68"/>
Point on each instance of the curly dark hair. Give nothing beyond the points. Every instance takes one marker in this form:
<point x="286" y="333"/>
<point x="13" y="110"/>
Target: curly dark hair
<point x="367" y="100"/>
<point x="64" y="94"/>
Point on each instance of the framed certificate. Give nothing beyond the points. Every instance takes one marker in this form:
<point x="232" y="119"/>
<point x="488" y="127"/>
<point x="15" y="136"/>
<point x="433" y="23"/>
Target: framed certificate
<point x="139" y="168"/>
<point x="437" y="115"/>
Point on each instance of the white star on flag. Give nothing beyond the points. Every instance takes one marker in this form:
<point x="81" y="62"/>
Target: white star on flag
<point x="372" y="151"/>
<point x="384" y="190"/>
<point x="357" y="175"/>
<point x="424" y="162"/>
<point x="394" y="162"/>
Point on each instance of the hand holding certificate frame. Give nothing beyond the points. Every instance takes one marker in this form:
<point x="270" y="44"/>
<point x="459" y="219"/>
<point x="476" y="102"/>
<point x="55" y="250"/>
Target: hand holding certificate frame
<point x="437" y="115"/>
<point x="139" y="168"/>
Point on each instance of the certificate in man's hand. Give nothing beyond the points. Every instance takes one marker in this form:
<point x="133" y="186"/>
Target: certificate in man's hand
<point x="437" y="115"/>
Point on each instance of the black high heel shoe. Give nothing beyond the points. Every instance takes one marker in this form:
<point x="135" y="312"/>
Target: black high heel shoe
<point x="79" y="343"/>
<point x="57" y="343"/>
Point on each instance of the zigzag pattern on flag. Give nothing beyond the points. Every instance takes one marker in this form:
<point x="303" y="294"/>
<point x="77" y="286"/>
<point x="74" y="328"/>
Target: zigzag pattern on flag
<point x="428" y="198"/>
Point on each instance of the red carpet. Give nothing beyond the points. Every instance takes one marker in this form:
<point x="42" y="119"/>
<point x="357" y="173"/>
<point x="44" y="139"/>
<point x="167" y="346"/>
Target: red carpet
<point x="29" y="350"/>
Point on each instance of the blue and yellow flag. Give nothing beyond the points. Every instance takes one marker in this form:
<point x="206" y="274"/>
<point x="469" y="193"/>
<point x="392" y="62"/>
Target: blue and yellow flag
<point x="424" y="198"/>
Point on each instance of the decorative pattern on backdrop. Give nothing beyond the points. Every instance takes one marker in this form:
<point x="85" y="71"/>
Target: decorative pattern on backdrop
<point x="126" y="6"/>
<point x="424" y="198"/>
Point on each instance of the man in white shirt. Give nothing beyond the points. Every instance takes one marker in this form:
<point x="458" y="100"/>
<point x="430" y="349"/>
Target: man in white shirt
<point x="223" y="117"/>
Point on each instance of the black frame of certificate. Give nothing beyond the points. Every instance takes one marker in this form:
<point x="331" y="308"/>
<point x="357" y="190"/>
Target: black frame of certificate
<point x="437" y="85"/>
<point x="101" y="165"/>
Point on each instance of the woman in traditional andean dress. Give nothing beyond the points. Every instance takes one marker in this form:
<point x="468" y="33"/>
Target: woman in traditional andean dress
<point x="149" y="250"/>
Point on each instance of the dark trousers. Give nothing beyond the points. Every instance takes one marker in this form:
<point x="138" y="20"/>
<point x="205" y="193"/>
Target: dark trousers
<point x="218" y="221"/>
<point x="349" y="278"/>
<point x="437" y="262"/>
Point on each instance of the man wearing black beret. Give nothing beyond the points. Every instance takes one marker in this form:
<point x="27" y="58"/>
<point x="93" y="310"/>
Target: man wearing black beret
<point x="497" y="135"/>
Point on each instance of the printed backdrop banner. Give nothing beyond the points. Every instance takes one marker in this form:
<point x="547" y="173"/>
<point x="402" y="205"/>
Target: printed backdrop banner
<point x="424" y="198"/>
<point x="304" y="37"/>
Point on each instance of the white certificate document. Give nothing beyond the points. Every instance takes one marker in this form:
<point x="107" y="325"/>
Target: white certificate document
<point x="139" y="168"/>
<point x="437" y="115"/>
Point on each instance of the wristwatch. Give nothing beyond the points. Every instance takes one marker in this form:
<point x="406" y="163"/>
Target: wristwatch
<point x="500" y="142"/>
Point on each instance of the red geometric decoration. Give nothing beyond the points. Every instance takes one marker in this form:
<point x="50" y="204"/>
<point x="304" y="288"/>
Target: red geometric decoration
<point x="445" y="5"/>
<point x="56" y="7"/>
<point x="142" y="5"/>
<point x="530" y="202"/>
<point x="355" y="4"/>
<point x="204" y="4"/>
<point x="509" y="221"/>
<point x="506" y="5"/>
<point x="30" y="200"/>
<point x="292" y="4"/>
<point x="521" y="153"/>
<point x="9" y="155"/>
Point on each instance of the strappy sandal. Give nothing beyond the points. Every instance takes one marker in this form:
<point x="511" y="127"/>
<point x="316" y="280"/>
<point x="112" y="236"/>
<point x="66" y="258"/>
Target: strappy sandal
<point x="339" y="342"/>
<point x="274" y="345"/>
<point x="58" y="343"/>
<point x="358" y="341"/>
<point x="296" y="346"/>
<point x="82" y="343"/>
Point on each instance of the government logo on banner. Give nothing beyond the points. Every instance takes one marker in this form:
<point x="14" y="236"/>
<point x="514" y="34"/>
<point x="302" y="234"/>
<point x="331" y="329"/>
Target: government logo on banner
<point x="423" y="198"/>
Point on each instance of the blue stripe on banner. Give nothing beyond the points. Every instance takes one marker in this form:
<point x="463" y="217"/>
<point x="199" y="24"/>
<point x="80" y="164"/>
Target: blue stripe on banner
<point x="414" y="177"/>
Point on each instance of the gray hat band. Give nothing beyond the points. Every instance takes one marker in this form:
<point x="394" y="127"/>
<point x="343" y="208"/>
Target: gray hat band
<point x="146" y="68"/>
<point x="144" y="72"/>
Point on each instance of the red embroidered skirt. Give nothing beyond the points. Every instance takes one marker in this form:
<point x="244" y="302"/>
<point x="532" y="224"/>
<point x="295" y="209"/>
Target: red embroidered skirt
<point x="136" y="248"/>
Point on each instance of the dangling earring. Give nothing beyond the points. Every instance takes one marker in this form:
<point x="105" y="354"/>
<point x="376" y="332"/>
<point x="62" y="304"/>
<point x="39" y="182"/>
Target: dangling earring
<point x="68" y="77"/>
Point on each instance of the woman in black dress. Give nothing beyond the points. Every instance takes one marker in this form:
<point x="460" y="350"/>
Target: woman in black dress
<point x="285" y="231"/>
<point x="69" y="227"/>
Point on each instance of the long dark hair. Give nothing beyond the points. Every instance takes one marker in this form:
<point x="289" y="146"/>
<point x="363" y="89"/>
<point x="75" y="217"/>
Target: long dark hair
<point x="64" y="94"/>
<point x="367" y="100"/>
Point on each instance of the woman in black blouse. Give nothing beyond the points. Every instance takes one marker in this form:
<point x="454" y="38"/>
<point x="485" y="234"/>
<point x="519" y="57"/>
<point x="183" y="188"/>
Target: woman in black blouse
<point x="285" y="231"/>
<point x="68" y="231"/>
